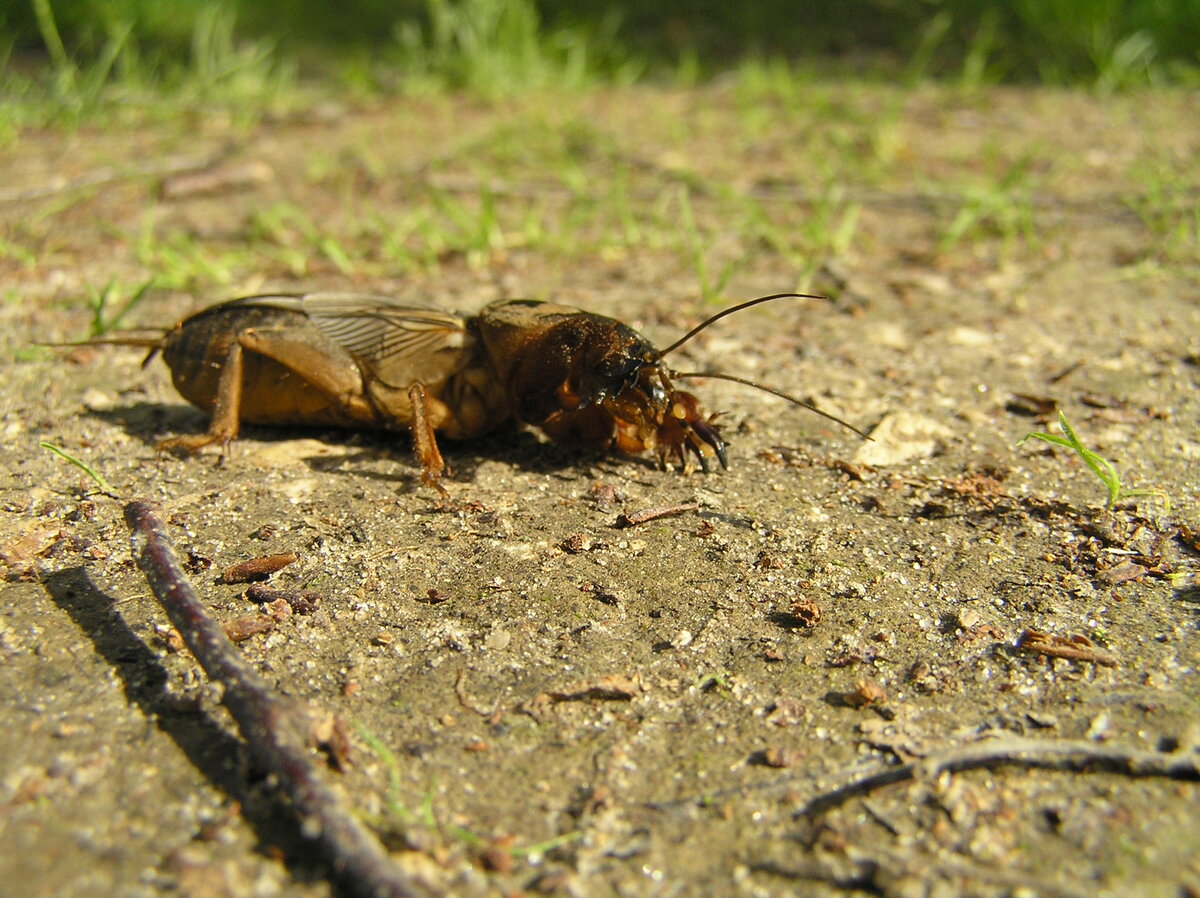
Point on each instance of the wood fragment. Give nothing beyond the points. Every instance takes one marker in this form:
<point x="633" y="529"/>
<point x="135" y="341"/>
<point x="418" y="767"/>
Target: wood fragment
<point x="864" y="693"/>
<point x="779" y="756"/>
<point x="103" y="176"/>
<point x="1078" y="648"/>
<point x="1124" y="572"/>
<point x="242" y="628"/>
<point x="805" y="612"/>
<point x="216" y="179"/>
<point x="1040" y="407"/>
<point x="1065" y="372"/>
<point x="613" y="687"/>
<point x="300" y="602"/>
<point x="257" y="568"/>
<point x="276" y="730"/>
<point x="653" y="514"/>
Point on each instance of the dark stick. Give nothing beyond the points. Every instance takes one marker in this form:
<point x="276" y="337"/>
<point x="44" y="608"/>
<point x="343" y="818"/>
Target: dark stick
<point x="1065" y="754"/>
<point x="1077" y="755"/>
<point x="276" y="730"/>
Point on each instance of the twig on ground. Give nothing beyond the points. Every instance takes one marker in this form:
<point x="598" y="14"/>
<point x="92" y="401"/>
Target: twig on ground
<point x="1065" y="754"/>
<point x="1047" y="754"/>
<point x="166" y="165"/>
<point x="464" y="701"/>
<point x="653" y="514"/>
<point x="276" y="730"/>
<point x="1078" y="648"/>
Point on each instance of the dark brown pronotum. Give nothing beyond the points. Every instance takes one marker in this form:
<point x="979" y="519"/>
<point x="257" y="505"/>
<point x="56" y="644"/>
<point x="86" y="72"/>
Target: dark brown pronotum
<point x="277" y="731"/>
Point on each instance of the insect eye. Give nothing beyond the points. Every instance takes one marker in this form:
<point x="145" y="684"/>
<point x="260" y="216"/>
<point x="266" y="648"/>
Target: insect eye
<point x="625" y="371"/>
<point x="612" y="367"/>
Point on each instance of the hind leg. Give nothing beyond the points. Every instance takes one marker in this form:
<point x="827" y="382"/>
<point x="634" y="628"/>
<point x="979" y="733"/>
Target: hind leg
<point x="226" y="411"/>
<point x="424" y="437"/>
<point x="331" y="381"/>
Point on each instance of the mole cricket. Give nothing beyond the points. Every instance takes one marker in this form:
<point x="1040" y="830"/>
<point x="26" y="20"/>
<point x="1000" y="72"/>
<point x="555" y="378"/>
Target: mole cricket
<point x="373" y="362"/>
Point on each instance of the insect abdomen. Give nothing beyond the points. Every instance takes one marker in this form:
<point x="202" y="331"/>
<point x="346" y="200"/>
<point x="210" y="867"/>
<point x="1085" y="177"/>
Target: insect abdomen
<point x="322" y="389"/>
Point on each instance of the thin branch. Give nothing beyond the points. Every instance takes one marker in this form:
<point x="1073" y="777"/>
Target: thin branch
<point x="653" y="514"/>
<point x="1066" y="754"/>
<point x="276" y="730"/>
<point x="1078" y="649"/>
<point x="1081" y="756"/>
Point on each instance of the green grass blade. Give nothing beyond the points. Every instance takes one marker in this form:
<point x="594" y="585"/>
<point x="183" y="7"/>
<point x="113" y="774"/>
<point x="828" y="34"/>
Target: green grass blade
<point x="1100" y="466"/>
<point x="105" y="486"/>
<point x="387" y="757"/>
<point x="60" y="60"/>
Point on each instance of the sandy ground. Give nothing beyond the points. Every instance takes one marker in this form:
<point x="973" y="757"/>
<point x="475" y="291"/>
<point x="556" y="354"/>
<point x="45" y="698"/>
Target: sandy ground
<point x="540" y="700"/>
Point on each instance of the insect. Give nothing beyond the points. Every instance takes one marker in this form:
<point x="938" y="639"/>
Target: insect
<point x="361" y="361"/>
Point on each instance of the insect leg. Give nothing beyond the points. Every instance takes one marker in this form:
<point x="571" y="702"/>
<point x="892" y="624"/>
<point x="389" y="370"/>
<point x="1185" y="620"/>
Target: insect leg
<point x="226" y="409"/>
<point x="318" y="361"/>
<point x="269" y="375"/>
<point x="429" y="457"/>
<point x="702" y="435"/>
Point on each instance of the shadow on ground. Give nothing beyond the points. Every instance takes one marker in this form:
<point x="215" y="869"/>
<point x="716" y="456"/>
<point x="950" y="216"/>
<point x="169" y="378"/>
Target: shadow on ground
<point x="216" y="754"/>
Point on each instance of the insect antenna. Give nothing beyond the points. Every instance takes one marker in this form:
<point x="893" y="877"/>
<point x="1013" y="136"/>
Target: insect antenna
<point x="127" y="340"/>
<point x="152" y="344"/>
<point x="717" y="317"/>
<point x="741" y="380"/>
<point x="782" y="395"/>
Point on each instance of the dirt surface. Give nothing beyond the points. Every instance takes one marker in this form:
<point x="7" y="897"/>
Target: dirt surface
<point x="541" y="700"/>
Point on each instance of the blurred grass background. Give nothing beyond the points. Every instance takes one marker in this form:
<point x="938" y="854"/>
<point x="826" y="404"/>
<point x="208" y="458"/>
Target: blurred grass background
<point x="823" y="92"/>
<point x="79" y="51"/>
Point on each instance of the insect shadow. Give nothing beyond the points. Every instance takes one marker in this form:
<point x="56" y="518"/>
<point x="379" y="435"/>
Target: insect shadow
<point x="146" y="421"/>
<point x="520" y="449"/>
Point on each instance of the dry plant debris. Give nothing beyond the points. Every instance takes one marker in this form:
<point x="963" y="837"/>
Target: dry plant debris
<point x="1074" y="648"/>
<point x="258" y="568"/>
<point x="633" y="519"/>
